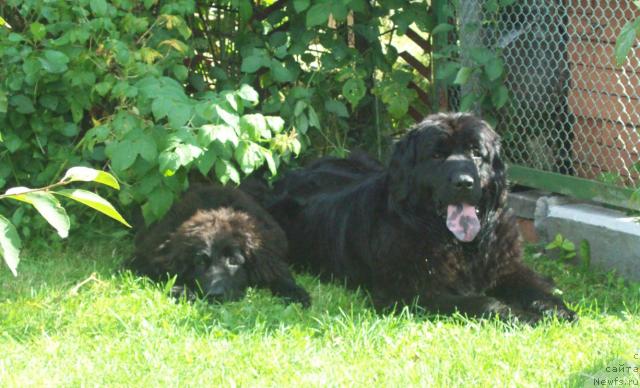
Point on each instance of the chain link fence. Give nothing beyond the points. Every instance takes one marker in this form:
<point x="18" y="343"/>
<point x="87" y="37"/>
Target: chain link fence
<point x="572" y="110"/>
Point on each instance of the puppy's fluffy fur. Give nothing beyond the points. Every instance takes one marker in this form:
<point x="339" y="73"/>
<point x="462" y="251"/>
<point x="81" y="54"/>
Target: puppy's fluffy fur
<point x="218" y="241"/>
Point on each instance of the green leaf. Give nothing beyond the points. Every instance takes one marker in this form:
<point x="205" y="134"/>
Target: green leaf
<point x="47" y="205"/>
<point x="3" y="23"/>
<point x="494" y="69"/>
<point x="505" y="3"/>
<point x="249" y="94"/>
<point x="491" y="6"/>
<point x="585" y="254"/>
<point x="336" y="107"/>
<point x="87" y="174"/>
<point x="226" y="171"/>
<point x="77" y="113"/>
<point x="301" y="123"/>
<point x="568" y="245"/>
<point x="299" y="108"/>
<point x="354" y="90"/>
<point x="223" y="133"/>
<point x="280" y="72"/>
<point x="4" y="101"/>
<point x="49" y="101"/>
<point x="447" y="70"/>
<point x="463" y="75"/>
<point x="318" y="14"/>
<point x="468" y="102"/>
<point x="626" y="40"/>
<point x="398" y="106"/>
<point x="245" y="9"/>
<point x="249" y="157"/>
<point x="178" y="112"/>
<point x="442" y="28"/>
<point x="160" y="201"/>
<point x="230" y="118"/>
<point x="314" y="121"/>
<point x="301" y="5"/>
<point x="187" y="153"/>
<point x="161" y="107"/>
<point x="181" y="72"/>
<point x="121" y="155"/>
<point x="257" y="59"/>
<point x="231" y="100"/>
<point x="10" y="244"/>
<point x="556" y="243"/>
<point x="205" y="161"/>
<point x="98" y="7"/>
<point x="22" y="103"/>
<point x="500" y="96"/>
<point x="38" y="31"/>
<point x="145" y="147"/>
<point x="271" y="163"/>
<point x="481" y="55"/>
<point x="94" y="201"/>
<point x="255" y="126"/>
<point x="168" y="163"/>
<point x="275" y="123"/>
<point x="54" y="61"/>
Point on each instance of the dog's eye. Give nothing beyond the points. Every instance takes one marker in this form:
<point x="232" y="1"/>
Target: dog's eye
<point x="437" y="155"/>
<point x="475" y="152"/>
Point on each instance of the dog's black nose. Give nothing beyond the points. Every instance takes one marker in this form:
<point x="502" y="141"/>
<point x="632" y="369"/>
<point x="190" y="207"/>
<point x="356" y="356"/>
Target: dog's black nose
<point x="463" y="181"/>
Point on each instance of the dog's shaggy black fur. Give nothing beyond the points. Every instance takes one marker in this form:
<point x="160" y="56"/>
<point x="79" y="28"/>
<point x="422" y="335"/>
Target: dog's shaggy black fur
<point x="385" y="229"/>
<point x="218" y="241"/>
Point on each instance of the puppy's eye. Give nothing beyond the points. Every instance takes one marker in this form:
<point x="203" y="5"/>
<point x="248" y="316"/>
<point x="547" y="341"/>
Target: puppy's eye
<point x="437" y="155"/>
<point x="235" y="259"/>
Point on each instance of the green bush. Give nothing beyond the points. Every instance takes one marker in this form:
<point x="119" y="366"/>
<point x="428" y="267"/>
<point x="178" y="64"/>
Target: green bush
<point x="105" y="83"/>
<point x="328" y="68"/>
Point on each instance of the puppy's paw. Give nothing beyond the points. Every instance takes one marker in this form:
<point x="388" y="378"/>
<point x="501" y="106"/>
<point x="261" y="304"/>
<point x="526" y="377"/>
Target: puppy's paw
<point x="514" y="314"/>
<point x="299" y="295"/>
<point x="554" y="308"/>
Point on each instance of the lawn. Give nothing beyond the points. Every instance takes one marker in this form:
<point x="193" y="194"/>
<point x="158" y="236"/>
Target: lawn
<point x="72" y="318"/>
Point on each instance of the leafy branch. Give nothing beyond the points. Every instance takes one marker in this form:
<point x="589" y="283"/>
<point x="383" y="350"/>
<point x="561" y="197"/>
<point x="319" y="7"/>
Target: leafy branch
<point x="44" y="200"/>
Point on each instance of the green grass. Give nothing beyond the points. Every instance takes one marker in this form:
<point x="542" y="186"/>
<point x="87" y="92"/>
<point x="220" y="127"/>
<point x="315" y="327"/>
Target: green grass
<point x="116" y="329"/>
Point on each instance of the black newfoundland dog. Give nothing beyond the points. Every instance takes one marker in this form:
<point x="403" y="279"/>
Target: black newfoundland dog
<point x="218" y="241"/>
<point x="430" y="228"/>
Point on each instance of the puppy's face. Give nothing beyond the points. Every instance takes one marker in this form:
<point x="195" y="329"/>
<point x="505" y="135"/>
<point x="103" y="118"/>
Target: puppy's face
<point x="219" y="270"/>
<point x="210" y="253"/>
<point x="449" y="164"/>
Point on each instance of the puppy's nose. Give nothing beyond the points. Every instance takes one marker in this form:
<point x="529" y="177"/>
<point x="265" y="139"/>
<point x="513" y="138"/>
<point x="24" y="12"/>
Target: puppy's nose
<point x="463" y="181"/>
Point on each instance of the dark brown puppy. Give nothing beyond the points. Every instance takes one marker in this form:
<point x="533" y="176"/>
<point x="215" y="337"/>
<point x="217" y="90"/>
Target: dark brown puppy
<point x="218" y="241"/>
<point x="431" y="227"/>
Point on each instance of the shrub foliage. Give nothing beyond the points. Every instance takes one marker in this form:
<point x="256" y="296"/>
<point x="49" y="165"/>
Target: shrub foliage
<point x="105" y="83"/>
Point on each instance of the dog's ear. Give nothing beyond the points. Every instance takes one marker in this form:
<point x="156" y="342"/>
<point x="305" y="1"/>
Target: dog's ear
<point x="401" y="164"/>
<point x="498" y="180"/>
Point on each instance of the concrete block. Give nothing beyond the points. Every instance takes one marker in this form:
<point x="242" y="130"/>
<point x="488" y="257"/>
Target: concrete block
<point x="523" y="203"/>
<point x="613" y="236"/>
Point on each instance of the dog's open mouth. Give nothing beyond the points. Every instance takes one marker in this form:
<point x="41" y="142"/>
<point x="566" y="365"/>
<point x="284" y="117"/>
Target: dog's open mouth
<point x="462" y="221"/>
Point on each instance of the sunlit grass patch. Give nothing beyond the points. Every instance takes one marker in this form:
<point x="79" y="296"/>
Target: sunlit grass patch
<point x="73" y="317"/>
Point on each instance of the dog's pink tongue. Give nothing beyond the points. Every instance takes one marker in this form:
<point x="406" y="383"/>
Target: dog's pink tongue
<point x="463" y="222"/>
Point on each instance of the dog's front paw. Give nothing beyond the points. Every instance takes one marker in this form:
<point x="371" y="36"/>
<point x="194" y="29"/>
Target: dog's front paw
<point x="555" y="308"/>
<point x="514" y="314"/>
<point x="296" y="294"/>
<point x="301" y="296"/>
